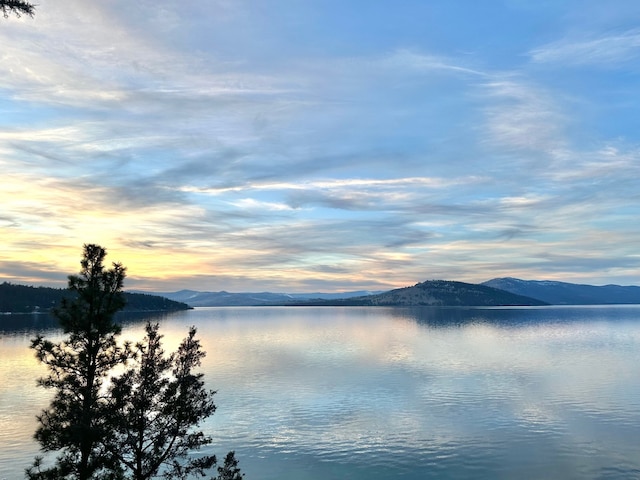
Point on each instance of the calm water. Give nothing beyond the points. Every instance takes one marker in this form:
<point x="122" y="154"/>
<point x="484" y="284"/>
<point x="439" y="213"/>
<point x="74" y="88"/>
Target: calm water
<point x="377" y="393"/>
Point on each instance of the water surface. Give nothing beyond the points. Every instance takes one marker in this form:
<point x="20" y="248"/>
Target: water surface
<point x="378" y="393"/>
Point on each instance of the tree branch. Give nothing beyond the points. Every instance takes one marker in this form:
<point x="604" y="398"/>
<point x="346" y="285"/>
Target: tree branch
<point x="17" y="7"/>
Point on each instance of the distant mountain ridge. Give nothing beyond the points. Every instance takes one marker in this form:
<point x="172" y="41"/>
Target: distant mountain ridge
<point x="429" y="293"/>
<point x="437" y="293"/>
<point x="563" y="293"/>
<point x="250" y="299"/>
<point x="496" y="292"/>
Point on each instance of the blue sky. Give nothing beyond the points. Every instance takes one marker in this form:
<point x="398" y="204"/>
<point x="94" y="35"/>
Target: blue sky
<point x="322" y="146"/>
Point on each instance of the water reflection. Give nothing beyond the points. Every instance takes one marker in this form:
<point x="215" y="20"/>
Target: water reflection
<point x="400" y="393"/>
<point x="515" y="316"/>
<point x="26" y="323"/>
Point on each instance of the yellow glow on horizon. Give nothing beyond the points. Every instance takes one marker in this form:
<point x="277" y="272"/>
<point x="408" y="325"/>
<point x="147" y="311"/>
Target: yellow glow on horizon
<point x="61" y="218"/>
<point x="45" y="222"/>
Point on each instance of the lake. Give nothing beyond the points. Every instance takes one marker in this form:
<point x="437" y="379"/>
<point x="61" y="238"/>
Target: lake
<point x="379" y="393"/>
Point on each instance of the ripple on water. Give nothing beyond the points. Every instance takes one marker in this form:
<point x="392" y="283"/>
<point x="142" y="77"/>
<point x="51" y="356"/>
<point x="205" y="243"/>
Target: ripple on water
<point x="358" y="394"/>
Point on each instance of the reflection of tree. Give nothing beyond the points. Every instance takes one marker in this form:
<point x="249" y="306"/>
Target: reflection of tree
<point x="17" y="7"/>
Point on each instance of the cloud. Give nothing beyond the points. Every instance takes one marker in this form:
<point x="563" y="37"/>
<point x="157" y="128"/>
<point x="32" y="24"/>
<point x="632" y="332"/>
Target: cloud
<point x="252" y="204"/>
<point x="523" y="117"/>
<point x="8" y="221"/>
<point x="599" y="51"/>
<point x="419" y="62"/>
<point x="104" y="63"/>
<point x="32" y="273"/>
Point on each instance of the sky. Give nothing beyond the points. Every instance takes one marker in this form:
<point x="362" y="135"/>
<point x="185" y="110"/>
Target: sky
<point x="321" y="146"/>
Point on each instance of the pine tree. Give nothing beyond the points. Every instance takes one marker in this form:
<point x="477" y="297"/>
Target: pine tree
<point x="144" y="423"/>
<point x="158" y="404"/>
<point x="17" y="7"/>
<point x="75" y="422"/>
<point x="230" y="470"/>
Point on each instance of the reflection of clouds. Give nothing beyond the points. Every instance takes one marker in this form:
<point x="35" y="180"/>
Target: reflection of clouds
<point x="536" y="418"/>
<point x="397" y="374"/>
<point x="342" y="384"/>
<point x="20" y="401"/>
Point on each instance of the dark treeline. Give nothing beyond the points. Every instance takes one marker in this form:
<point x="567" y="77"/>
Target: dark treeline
<point x="28" y="299"/>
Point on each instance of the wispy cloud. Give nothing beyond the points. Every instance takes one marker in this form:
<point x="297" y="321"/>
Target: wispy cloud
<point x="607" y="50"/>
<point x="420" y="62"/>
<point x="522" y="116"/>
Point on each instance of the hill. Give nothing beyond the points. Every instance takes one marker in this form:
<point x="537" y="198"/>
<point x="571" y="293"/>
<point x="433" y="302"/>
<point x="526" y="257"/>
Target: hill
<point x="228" y="299"/>
<point x="436" y="293"/>
<point x="224" y="299"/>
<point x="563" y="293"/>
<point x="27" y="299"/>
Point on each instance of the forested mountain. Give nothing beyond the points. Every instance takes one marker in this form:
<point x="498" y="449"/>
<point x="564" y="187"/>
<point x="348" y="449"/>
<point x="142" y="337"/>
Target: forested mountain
<point x="27" y="299"/>
<point x="436" y="293"/>
<point x="563" y="293"/>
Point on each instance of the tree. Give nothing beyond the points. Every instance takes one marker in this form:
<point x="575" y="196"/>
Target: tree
<point x="156" y="406"/>
<point x="138" y="425"/>
<point x="75" y="422"/>
<point x="17" y="7"/>
<point x="230" y="470"/>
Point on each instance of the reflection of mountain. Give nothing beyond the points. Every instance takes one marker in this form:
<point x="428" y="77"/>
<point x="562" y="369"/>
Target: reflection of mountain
<point x="437" y="293"/>
<point x="26" y="299"/>
<point x="513" y="316"/>
<point x="562" y="293"/>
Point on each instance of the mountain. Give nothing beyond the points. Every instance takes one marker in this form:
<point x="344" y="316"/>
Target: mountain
<point x="227" y="299"/>
<point x="562" y="293"/>
<point x="27" y="299"/>
<point x="436" y="293"/>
